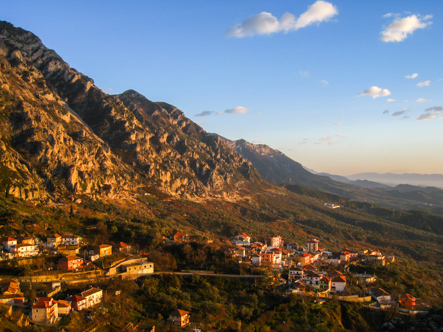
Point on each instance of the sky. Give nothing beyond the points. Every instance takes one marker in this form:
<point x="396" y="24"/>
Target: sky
<point x="340" y="86"/>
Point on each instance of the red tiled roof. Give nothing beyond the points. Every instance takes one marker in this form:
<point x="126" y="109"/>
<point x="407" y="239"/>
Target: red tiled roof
<point x="339" y="279"/>
<point x="76" y="298"/>
<point x="244" y="234"/>
<point x="179" y="313"/>
<point x="179" y="234"/>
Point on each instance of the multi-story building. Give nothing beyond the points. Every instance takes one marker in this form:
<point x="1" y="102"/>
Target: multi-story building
<point x="45" y="310"/>
<point x="313" y="245"/>
<point x="70" y="263"/>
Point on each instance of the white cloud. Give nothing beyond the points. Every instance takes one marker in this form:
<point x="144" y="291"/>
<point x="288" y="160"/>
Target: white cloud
<point x="338" y="123"/>
<point x="266" y="23"/>
<point x="427" y="116"/>
<point x="422" y="84"/>
<point x="375" y="92"/>
<point x="237" y="110"/>
<point x="305" y="73"/>
<point x="390" y="100"/>
<point x="259" y="113"/>
<point x="340" y="135"/>
<point x="400" y="28"/>
<point x="421" y="100"/>
<point x="324" y="82"/>
<point x="411" y="76"/>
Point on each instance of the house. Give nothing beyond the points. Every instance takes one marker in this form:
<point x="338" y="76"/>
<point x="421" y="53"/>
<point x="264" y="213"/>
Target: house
<point x="122" y="247"/>
<point x="132" y="265"/>
<point x="299" y="287"/>
<point x="295" y="273"/>
<point x="53" y="242"/>
<point x="93" y="296"/>
<point x="103" y="250"/>
<point x="292" y="246"/>
<point x="304" y="258"/>
<point x="242" y="240"/>
<point x="407" y="301"/>
<point x="256" y="259"/>
<point x="380" y="295"/>
<point x="179" y="318"/>
<point x="345" y="256"/>
<point x="367" y="278"/>
<point x="276" y="241"/>
<point x="8" y="243"/>
<point x="71" y="240"/>
<point x="25" y="240"/>
<point x="70" y="263"/>
<point x="78" y="302"/>
<point x="25" y="250"/>
<point x="338" y="284"/>
<point x="313" y="245"/>
<point x="45" y="310"/>
<point x="89" y="253"/>
<point x="179" y="237"/>
<point x="312" y="278"/>
<point x="64" y="307"/>
<point x="240" y="252"/>
<point x="10" y="292"/>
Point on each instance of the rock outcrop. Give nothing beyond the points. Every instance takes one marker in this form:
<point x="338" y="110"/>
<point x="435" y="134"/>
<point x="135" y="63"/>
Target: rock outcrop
<point x="60" y="135"/>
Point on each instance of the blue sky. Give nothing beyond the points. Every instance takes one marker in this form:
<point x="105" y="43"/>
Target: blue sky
<point x="340" y="86"/>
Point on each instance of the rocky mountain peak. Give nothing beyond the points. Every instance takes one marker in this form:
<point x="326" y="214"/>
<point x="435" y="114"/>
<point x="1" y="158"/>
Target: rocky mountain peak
<point x="63" y="136"/>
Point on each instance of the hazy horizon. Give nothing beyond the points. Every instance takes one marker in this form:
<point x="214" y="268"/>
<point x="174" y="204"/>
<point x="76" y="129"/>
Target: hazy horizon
<point x="341" y="87"/>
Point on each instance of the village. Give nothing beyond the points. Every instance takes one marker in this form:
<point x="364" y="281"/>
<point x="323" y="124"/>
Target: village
<point x="290" y="268"/>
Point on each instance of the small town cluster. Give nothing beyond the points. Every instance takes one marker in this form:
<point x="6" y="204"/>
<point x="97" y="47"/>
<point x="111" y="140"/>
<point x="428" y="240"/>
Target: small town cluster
<point x="306" y="270"/>
<point x="315" y="271"/>
<point x="75" y="258"/>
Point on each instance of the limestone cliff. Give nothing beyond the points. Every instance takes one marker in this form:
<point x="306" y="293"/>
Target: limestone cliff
<point x="60" y="135"/>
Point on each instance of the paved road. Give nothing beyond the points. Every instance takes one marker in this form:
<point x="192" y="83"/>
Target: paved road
<point x="127" y="276"/>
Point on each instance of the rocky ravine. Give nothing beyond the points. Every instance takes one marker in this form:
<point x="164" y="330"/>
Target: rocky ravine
<point x="61" y="135"/>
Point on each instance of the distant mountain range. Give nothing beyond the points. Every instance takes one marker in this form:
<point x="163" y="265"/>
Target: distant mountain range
<point x="276" y="167"/>
<point x="425" y="180"/>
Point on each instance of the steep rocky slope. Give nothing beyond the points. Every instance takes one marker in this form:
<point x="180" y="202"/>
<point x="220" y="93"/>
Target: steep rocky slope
<point x="61" y="135"/>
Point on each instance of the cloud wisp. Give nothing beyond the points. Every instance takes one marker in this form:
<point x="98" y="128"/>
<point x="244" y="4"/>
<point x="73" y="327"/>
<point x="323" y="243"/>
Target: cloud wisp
<point x="390" y="100"/>
<point x="235" y="110"/>
<point x="266" y="24"/>
<point x="431" y="113"/>
<point x="421" y="100"/>
<point x="422" y="84"/>
<point x="375" y="92"/>
<point x="412" y="76"/>
<point x="401" y="28"/>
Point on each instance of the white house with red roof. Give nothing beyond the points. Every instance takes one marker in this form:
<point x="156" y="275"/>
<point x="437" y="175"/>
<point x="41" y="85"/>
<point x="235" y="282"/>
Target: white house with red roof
<point x="338" y="284"/>
<point x="8" y="243"/>
<point x="45" y="310"/>
<point x="345" y="256"/>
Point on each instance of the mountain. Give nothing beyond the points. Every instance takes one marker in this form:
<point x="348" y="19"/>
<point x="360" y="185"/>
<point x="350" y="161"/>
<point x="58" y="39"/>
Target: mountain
<point x="61" y="136"/>
<point x="277" y="168"/>
<point x="434" y="180"/>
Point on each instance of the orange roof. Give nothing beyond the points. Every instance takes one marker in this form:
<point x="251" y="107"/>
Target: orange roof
<point x="407" y="297"/>
<point x="304" y="255"/>
<point x="339" y="279"/>
<point x="179" y="234"/>
<point x="76" y="298"/>
<point x="7" y="239"/>
<point x="244" y="234"/>
<point x="122" y="244"/>
<point x="346" y="253"/>
<point x="179" y="313"/>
